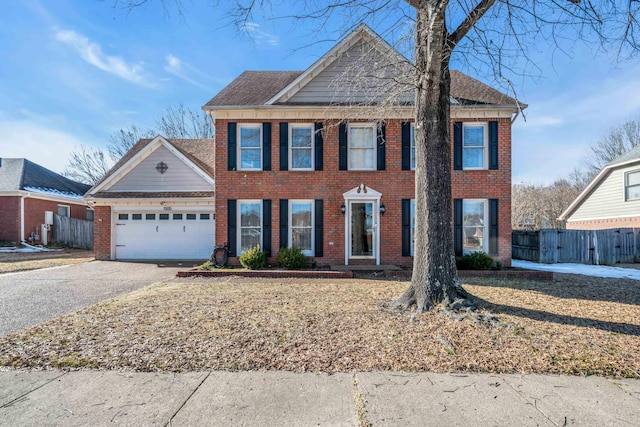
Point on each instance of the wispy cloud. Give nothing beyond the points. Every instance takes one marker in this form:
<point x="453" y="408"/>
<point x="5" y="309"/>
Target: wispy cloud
<point x="173" y="65"/>
<point x="253" y="29"/>
<point x="92" y="53"/>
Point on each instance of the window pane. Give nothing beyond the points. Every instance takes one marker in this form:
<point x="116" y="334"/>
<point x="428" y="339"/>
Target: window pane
<point x="177" y="216"/>
<point x="136" y="217"/>
<point x="150" y="216"/>
<point x="301" y="137"/>
<point x="251" y="158"/>
<point x="250" y="214"/>
<point x="633" y="193"/>
<point x="191" y="216"/>
<point x="123" y="217"/>
<point x="473" y="158"/>
<point x="301" y="238"/>
<point x="361" y="158"/>
<point x="473" y="222"/>
<point x="164" y="216"/>
<point x="89" y="215"/>
<point x="250" y="137"/>
<point x="301" y="214"/>
<point x="301" y="159"/>
<point x="361" y="137"/>
<point x="633" y="178"/>
<point x="204" y="216"/>
<point x="474" y="136"/>
<point x="63" y="210"/>
<point x="249" y="237"/>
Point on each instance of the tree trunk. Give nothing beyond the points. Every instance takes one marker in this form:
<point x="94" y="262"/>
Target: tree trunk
<point x="435" y="277"/>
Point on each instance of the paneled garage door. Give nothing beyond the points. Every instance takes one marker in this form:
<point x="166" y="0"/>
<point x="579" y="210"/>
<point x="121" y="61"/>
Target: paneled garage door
<point x="163" y="235"/>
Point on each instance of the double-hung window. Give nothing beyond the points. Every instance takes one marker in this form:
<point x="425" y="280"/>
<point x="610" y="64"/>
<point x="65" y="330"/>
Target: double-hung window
<point x="301" y="146"/>
<point x="632" y="185"/>
<point x="362" y="146"/>
<point x="250" y="146"/>
<point x="301" y="225"/>
<point x="413" y="226"/>
<point x="474" y="225"/>
<point x="250" y="230"/>
<point x="474" y="145"/>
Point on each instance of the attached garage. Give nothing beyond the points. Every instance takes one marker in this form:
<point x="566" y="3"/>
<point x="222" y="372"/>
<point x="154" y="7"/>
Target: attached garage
<point x="176" y="235"/>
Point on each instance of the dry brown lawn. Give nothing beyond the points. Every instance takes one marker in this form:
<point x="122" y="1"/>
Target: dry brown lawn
<point x="21" y="261"/>
<point x="574" y="325"/>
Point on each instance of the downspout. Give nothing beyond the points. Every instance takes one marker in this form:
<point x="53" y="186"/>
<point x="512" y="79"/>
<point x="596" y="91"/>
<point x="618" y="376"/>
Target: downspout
<point x="22" y="217"/>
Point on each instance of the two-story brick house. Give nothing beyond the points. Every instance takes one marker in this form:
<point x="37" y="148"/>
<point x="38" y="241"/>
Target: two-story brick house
<point x="300" y="162"/>
<point x="313" y="160"/>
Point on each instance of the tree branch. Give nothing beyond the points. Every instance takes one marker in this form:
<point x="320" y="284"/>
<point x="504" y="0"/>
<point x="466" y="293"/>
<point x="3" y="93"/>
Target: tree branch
<point x="472" y="18"/>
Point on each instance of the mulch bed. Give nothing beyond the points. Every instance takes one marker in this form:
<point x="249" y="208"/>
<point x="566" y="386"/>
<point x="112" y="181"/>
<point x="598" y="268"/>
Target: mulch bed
<point x="572" y="325"/>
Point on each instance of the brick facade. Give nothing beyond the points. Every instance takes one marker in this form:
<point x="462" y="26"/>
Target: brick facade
<point x="34" y="211"/>
<point x="603" y="224"/>
<point x="102" y="233"/>
<point x="329" y="184"/>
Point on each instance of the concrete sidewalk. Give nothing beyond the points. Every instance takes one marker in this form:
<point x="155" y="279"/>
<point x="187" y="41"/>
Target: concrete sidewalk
<point x="288" y="399"/>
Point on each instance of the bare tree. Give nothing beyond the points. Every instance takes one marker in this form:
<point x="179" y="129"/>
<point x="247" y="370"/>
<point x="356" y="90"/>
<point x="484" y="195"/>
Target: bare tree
<point x="489" y="35"/>
<point x="612" y="145"/>
<point x="89" y="164"/>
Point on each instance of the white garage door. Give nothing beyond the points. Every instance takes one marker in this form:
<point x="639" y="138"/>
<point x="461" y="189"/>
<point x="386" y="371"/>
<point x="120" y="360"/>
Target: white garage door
<point x="164" y="236"/>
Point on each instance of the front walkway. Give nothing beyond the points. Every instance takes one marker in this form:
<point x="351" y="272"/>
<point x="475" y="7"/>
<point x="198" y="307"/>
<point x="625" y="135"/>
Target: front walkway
<point x="290" y="399"/>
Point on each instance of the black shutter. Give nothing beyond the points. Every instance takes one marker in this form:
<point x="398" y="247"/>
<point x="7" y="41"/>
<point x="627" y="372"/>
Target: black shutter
<point x="457" y="226"/>
<point x="342" y="147"/>
<point x="319" y="228"/>
<point x="493" y="145"/>
<point x="406" y="227"/>
<point x="284" y="223"/>
<point x="266" y="226"/>
<point x="318" y="145"/>
<point x="457" y="146"/>
<point x="381" y="145"/>
<point x="231" y="146"/>
<point x="266" y="146"/>
<point x="232" y="232"/>
<point x="284" y="146"/>
<point x="406" y="146"/>
<point x="493" y="226"/>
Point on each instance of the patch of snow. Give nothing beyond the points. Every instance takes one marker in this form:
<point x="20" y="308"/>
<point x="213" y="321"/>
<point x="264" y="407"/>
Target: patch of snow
<point x="53" y="192"/>
<point x="27" y="248"/>
<point x="584" y="269"/>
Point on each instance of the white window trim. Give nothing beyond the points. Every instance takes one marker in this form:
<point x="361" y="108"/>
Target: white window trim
<point x="239" y="145"/>
<point x="485" y="147"/>
<point x="373" y="147"/>
<point x="485" y="232"/>
<point x="290" y="153"/>
<point x="626" y="185"/>
<point x="239" y="226"/>
<point x="313" y="225"/>
<point x="412" y="148"/>
<point x="64" y="206"/>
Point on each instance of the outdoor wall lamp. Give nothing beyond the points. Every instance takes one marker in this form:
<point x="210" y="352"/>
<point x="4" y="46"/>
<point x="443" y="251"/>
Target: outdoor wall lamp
<point x="343" y="208"/>
<point x="383" y="209"/>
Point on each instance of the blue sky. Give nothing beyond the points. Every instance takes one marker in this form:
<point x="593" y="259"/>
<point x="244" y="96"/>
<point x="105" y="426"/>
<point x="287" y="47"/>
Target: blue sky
<point x="75" y="71"/>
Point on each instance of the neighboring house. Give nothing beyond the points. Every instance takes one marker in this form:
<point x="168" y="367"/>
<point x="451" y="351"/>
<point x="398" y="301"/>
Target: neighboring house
<point x="157" y="202"/>
<point x="612" y="199"/>
<point x="304" y="159"/>
<point x="27" y="191"/>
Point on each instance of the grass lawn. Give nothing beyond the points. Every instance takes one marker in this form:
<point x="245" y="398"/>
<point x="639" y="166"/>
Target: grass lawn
<point x="21" y="261"/>
<point x="574" y="325"/>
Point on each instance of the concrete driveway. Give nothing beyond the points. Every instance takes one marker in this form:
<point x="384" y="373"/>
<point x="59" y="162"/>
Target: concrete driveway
<point x="32" y="297"/>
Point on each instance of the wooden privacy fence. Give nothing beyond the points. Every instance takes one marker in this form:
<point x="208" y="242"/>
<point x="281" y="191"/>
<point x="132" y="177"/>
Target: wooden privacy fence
<point x="606" y="247"/>
<point x="73" y="232"/>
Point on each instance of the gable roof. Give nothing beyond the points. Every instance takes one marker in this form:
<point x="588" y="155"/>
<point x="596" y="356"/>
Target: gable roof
<point x="629" y="158"/>
<point x="24" y="175"/>
<point x="264" y="88"/>
<point x="197" y="151"/>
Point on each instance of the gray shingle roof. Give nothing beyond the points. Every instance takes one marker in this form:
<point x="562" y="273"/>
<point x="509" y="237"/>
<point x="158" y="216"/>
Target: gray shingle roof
<point x="632" y="154"/>
<point x="21" y="174"/>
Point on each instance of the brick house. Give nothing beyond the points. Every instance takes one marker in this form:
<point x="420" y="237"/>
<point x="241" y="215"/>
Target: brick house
<point x="299" y="160"/>
<point x="27" y="191"/>
<point x="612" y="198"/>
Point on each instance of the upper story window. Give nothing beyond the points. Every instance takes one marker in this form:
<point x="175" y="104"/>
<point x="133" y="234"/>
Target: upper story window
<point x="301" y="146"/>
<point x="250" y="230"/>
<point x="474" y="223"/>
<point x="362" y="146"/>
<point x="250" y="146"/>
<point x="632" y="185"/>
<point x="474" y="145"/>
<point x="413" y="146"/>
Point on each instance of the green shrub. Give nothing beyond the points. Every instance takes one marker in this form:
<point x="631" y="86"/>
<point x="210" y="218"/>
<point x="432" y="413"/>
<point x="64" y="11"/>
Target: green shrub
<point x="291" y="258"/>
<point x="253" y="258"/>
<point x="475" y="261"/>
